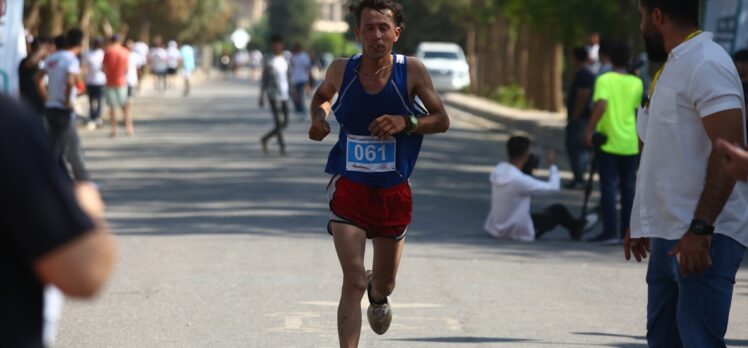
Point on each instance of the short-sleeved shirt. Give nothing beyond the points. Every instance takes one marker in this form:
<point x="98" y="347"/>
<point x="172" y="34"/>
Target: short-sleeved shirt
<point x="94" y="61"/>
<point x="188" y="57"/>
<point x="58" y="66"/>
<point x="583" y="79"/>
<point x="275" y="78"/>
<point x="300" y="66"/>
<point x="623" y="94"/>
<point x="116" y="63"/>
<point x="38" y="214"/>
<point x="699" y="80"/>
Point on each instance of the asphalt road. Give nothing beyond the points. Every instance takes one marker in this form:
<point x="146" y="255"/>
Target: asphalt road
<point x="222" y="246"/>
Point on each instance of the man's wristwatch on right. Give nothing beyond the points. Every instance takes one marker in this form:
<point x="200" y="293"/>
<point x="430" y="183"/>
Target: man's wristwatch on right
<point x="411" y="123"/>
<point x="701" y="228"/>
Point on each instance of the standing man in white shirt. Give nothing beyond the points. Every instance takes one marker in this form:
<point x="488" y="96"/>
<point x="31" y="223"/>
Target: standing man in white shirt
<point x="62" y="69"/>
<point x="686" y="205"/>
<point x="512" y="188"/>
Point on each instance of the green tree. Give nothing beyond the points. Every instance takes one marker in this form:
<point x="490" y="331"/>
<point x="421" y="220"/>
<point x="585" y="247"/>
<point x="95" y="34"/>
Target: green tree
<point x="293" y="19"/>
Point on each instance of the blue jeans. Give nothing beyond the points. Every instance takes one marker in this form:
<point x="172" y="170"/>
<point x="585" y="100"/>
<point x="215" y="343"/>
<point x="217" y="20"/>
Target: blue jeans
<point x="579" y="156"/>
<point x="299" y="99"/>
<point x="690" y="311"/>
<point x="617" y="174"/>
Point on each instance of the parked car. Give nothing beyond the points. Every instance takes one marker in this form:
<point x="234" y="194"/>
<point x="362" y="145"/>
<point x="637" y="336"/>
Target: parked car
<point x="446" y="63"/>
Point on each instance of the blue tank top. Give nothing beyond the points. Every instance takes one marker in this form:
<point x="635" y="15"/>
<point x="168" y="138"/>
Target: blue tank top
<point x="356" y="109"/>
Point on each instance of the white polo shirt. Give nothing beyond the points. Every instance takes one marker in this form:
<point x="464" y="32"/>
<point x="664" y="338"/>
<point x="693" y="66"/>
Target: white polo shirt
<point x="699" y="80"/>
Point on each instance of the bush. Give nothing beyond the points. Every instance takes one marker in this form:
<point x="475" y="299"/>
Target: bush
<point x="334" y="43"/>
<point x="512" y="95"/>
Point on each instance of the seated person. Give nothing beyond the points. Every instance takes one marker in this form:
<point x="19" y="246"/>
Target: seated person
<point x="512" y="189"/>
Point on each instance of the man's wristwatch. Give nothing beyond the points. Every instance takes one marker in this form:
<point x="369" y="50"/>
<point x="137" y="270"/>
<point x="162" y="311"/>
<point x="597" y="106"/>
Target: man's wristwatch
<point x="411" y="123"/>
<point x="701" y="228"/>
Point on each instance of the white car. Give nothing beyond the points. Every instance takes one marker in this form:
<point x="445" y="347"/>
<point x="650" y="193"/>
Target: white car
<point x="446" y="63"/>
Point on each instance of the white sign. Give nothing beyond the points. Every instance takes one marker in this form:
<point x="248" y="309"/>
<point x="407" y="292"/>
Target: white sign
<point x="728" y="20"/>
<point x="12" y="44"/>
<point x="240" y="38"/>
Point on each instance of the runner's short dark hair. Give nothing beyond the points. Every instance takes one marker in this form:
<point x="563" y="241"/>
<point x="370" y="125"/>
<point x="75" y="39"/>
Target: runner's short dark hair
<point x="741" y="56"/>
<point x="517" y="146"/>
<point x="580" y="54"/>
<point x="73" y="38"/>
<point x="620" y="54"/>
<point x="381" y="6"/>
<point x="276" y="39"/>
<point x="685" y="12"/>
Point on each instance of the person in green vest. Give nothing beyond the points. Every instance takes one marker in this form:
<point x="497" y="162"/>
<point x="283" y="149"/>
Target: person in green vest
<point x="617" y="96"/>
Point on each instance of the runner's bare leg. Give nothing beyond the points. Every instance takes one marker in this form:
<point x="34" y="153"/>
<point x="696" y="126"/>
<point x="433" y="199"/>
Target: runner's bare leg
<point x="350" y="244"/>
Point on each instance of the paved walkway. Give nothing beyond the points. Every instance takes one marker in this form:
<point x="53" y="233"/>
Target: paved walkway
<point x="222" y="246"/>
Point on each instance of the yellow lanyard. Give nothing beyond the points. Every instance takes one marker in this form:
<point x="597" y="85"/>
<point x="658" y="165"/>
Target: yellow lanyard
<point x="659" y="71"/>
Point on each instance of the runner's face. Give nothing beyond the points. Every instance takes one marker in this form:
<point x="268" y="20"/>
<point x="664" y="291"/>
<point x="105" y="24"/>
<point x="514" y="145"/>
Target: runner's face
<point x="377" y="33"/>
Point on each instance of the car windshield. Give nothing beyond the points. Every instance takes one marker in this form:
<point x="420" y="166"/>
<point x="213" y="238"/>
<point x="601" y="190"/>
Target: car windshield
<point x="440" y="55"/>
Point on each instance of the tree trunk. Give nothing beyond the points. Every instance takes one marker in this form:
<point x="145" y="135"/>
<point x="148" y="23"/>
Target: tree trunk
<point x="470" y="46"/>
<point x="521" y="54"/>
<point x="32" y="17"/>
<point x="51" y="19"/>
<point x="555" y="87"/>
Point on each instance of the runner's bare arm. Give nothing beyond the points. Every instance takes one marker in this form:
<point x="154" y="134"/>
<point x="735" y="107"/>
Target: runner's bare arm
<point x="322" y="100"/>
<point x="437" y="121"/>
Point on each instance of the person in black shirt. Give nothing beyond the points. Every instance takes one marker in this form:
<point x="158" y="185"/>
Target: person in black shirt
<point x="578" y="104"/>
<point x="51" y="232"/>
<point x="29" y="75"/>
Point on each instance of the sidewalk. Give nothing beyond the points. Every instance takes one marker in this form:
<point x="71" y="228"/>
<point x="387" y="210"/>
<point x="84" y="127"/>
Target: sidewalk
<point x="546" y="128"/>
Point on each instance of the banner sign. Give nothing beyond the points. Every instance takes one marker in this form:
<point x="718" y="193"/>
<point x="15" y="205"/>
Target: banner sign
<point x="728" y="20"/>
<point x="12" y="44"/>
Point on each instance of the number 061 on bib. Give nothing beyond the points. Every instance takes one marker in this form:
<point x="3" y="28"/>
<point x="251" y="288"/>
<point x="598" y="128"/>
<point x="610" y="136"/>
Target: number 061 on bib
<point x="370" y="154"/>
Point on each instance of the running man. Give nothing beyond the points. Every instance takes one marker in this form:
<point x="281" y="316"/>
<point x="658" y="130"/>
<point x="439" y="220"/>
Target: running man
<point x="379" y="141"/>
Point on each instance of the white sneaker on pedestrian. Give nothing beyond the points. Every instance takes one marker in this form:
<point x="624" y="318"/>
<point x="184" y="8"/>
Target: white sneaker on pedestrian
<point x="90" y="125"/>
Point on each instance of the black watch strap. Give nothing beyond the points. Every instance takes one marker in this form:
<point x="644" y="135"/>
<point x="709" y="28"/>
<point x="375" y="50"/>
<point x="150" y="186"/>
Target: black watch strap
<point x="701" y="228"/>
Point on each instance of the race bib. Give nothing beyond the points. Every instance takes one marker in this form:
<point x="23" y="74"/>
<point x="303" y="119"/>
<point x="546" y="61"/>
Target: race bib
<point x="370" y="154"/>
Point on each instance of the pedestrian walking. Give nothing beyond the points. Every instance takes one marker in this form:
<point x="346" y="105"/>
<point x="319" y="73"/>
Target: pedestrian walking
<point x="688" y="212"/>
<point x="158" y="63"/>
<point x="578" y="105"/>
<point x="275" y="87"/>
<point x="62" y="69"/>
<point x="187" y="54"/>
<point x="173" y="60"/>
<point x="135" y="62"/>
<point x="93" y="62"/>
<point x="617" y="95"/>
<point x="378" y="145"/>
<point x="116" y="65"/>
<point x="301" y="65"/>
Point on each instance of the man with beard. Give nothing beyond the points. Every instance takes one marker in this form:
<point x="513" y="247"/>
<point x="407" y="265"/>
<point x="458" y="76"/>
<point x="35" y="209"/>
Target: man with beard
<point x="379" y="142"/>
<point x="686" y="212"/>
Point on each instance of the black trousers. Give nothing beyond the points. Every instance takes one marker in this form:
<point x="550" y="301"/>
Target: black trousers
<point x="552" y="216"/>
<point x="280" y="116"/>
<point x="66" y="145"/>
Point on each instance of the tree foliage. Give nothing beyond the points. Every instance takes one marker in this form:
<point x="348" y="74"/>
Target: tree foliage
<point x="293" y="19"/>
<point x="186" y="20"/>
